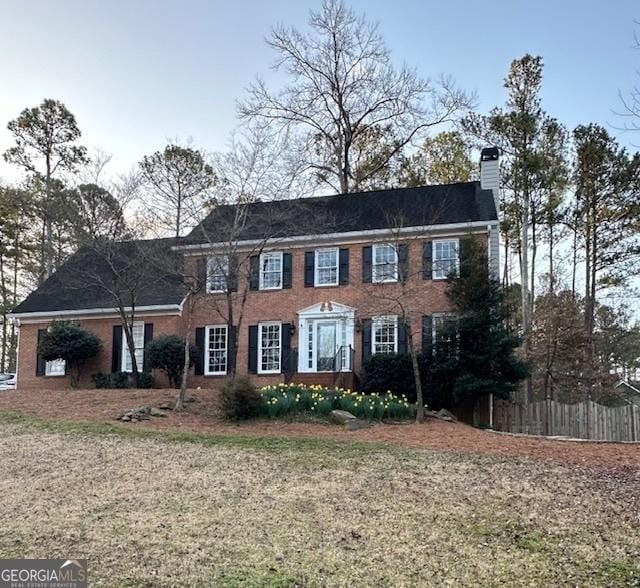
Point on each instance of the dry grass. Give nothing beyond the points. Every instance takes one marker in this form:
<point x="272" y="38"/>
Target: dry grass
<point x="149" y="510"/>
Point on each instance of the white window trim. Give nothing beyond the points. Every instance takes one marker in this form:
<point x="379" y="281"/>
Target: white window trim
<point x="267" y="324"/>
<point x="271" y="254"/>
<point x="207" y="350"/>
<point x="434" y="260"/>
<point x="376" y="321"/>
<point x="125" y="350"/>
<point x="374" y="264"/>
<point x="225" y="268"/>
<point x="316" y="282"/>
<point x="55" y="374"/>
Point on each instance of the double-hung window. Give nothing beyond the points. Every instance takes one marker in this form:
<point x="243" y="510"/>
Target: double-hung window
<point x="55" y="367"/>
<point x="446" y="259"/>
<point x="138" y="339"/>
<point x="384" y="334"/>
<point x="269" y="348"/>
<point x="271" y="270"/>
<point x="384" y="263"/>
<point x="444" y="332"/>
<point x="326" y="267"/>
<point x="216" y="345"/>
<point x="217" y="270"/>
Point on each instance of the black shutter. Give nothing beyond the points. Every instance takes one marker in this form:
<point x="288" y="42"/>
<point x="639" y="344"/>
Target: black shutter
<point x="285" y="363"/>
<point x="148" y="337"/>
<point x="343" y="272"/>
<point x="254" y="272"/>
<point x="233" y="274"/>
<point x="40" y="362"/>
<point x="286" y="270"/>
<point x="465" y="257"/>
<point x="427" y="335"/>
<point x="116" y="349"/>
<point x="403" y="262"/>
<point x="367" y="259"/>
<point x="402" y="337"/>
<point x="201" y="271"/>
<point x="427" y="260"/>
<point x="253" y="349"/>
<point x="309" y="268"/>
<point x="231" y="343"/>
<point x="198" y="364"/>
<point x="366" y="339"/>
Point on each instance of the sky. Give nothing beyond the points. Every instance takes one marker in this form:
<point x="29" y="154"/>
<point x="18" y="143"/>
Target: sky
<point x="139" y="73"/>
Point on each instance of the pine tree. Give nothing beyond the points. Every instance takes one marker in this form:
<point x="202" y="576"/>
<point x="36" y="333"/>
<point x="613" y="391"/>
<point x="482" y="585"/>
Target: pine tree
<point x="485" y="361"/>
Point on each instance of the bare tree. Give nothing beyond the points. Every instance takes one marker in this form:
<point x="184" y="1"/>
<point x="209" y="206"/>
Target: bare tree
<point x="343" y="84"/>
<point x="177" y="181"/>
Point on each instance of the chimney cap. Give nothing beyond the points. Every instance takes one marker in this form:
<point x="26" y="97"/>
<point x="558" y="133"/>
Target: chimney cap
<point x="490" y="154"/>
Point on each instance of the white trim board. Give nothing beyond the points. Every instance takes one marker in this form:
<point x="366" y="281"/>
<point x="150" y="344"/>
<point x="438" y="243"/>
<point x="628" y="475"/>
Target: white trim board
<point x="430" y="231"/>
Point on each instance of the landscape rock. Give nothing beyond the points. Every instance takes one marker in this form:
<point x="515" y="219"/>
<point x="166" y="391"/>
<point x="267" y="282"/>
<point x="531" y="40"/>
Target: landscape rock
<point x="356" y="424"/>
<point x="166" y="406"/>
<point x="156" y="412"/>
<point x="445" y="415"/>
<point x="340" y="417"/>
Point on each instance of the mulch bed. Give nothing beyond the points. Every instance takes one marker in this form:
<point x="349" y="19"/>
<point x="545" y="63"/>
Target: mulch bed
<point x="104" y="405"/>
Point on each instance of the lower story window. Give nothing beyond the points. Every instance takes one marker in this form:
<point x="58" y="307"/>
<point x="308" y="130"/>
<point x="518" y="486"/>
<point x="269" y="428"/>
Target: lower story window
<point x="55" y="367"/>
<point x="384" y="335"/>
<point x="217" y="350"/>
<point x="270" y="344"/>
<point x="137" y="332"/>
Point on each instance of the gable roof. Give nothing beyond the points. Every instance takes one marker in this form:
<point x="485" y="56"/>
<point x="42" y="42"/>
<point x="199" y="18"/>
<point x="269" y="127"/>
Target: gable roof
<point x="82" y="282"/>
<point x="446" y="204"/>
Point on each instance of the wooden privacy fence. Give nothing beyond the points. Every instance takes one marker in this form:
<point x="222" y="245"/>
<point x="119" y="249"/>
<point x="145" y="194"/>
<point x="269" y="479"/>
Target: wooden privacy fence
<point x="583" y="420"/>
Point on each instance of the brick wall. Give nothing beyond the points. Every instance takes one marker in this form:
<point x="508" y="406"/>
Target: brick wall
<point x="421" y="297"/>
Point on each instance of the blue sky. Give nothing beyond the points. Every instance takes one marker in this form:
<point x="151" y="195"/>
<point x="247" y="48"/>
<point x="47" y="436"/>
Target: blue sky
<point x="136" y="73"/>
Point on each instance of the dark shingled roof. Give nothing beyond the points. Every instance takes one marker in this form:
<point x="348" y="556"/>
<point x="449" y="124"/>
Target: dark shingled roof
<point x="360" y="211"/>
<point x="74" y="286"/>
<point x="78" y="283"/>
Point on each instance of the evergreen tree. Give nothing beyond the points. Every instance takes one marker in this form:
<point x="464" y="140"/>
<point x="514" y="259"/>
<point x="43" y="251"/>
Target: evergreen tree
<point x="484" y="361"/>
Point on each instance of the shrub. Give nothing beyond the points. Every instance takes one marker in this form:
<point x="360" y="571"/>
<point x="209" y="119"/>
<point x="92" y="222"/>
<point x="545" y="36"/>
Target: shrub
<point x="166" y="353"/>
<point x="239" y="399"/>
<point x="291" y="399"/>
<point x="119" y="380"/>
<point x="145" y="380"/>
<point x="101" y="380"/>
<point x="393" y="372"/>
<point x="70" y="342"/>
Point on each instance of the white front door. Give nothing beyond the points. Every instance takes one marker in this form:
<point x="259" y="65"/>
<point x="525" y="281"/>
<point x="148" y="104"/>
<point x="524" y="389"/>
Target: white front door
<point x="326" y="345"/>
<point x="325" y="337"/>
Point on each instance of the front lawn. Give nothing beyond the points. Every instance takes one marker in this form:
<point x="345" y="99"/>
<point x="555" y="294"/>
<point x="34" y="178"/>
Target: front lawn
<point x="156" y="509"/>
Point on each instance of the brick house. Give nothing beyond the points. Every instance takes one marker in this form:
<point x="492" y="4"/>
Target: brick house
<point x="334" y="280"/>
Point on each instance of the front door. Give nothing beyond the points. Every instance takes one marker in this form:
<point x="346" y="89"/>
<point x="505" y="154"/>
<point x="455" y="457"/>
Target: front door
<point x="326" y="349"/>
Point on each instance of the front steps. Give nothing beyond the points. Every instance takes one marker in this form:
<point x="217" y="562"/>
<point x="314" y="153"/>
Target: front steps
<point x="347" y="380"/>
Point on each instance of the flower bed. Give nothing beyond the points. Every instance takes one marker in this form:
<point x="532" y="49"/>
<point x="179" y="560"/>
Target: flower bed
<point x="291" y="399"/>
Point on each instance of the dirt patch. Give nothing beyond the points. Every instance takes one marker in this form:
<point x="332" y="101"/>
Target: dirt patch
<point x="202" y="416"/>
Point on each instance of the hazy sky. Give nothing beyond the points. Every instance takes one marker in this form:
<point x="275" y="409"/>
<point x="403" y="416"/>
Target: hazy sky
<point x="136" y="73"/>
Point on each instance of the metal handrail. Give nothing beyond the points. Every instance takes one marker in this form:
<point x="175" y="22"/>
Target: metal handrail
<point x="338" y="361"/>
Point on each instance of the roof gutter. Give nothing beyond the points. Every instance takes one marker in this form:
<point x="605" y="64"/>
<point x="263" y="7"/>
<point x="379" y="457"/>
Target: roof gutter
<point x="350" y="236"/>
<point x="175" y="309"/>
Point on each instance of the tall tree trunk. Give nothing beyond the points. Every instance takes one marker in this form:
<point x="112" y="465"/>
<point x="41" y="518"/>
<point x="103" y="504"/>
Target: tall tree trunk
<point x="416" y="374"/>
<point x="180" y="401"/>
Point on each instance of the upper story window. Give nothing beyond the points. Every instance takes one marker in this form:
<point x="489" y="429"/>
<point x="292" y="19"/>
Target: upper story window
<point x="217" y="270"/>
<point x="384" y="334"/>
<point x="384" y="263"/>
<point x="270" y="346"/>
<point x="138" y="339"/>
<point x="446" y="258"/>
<point x="271" y="270"/>
<point x="326" y="267"/>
